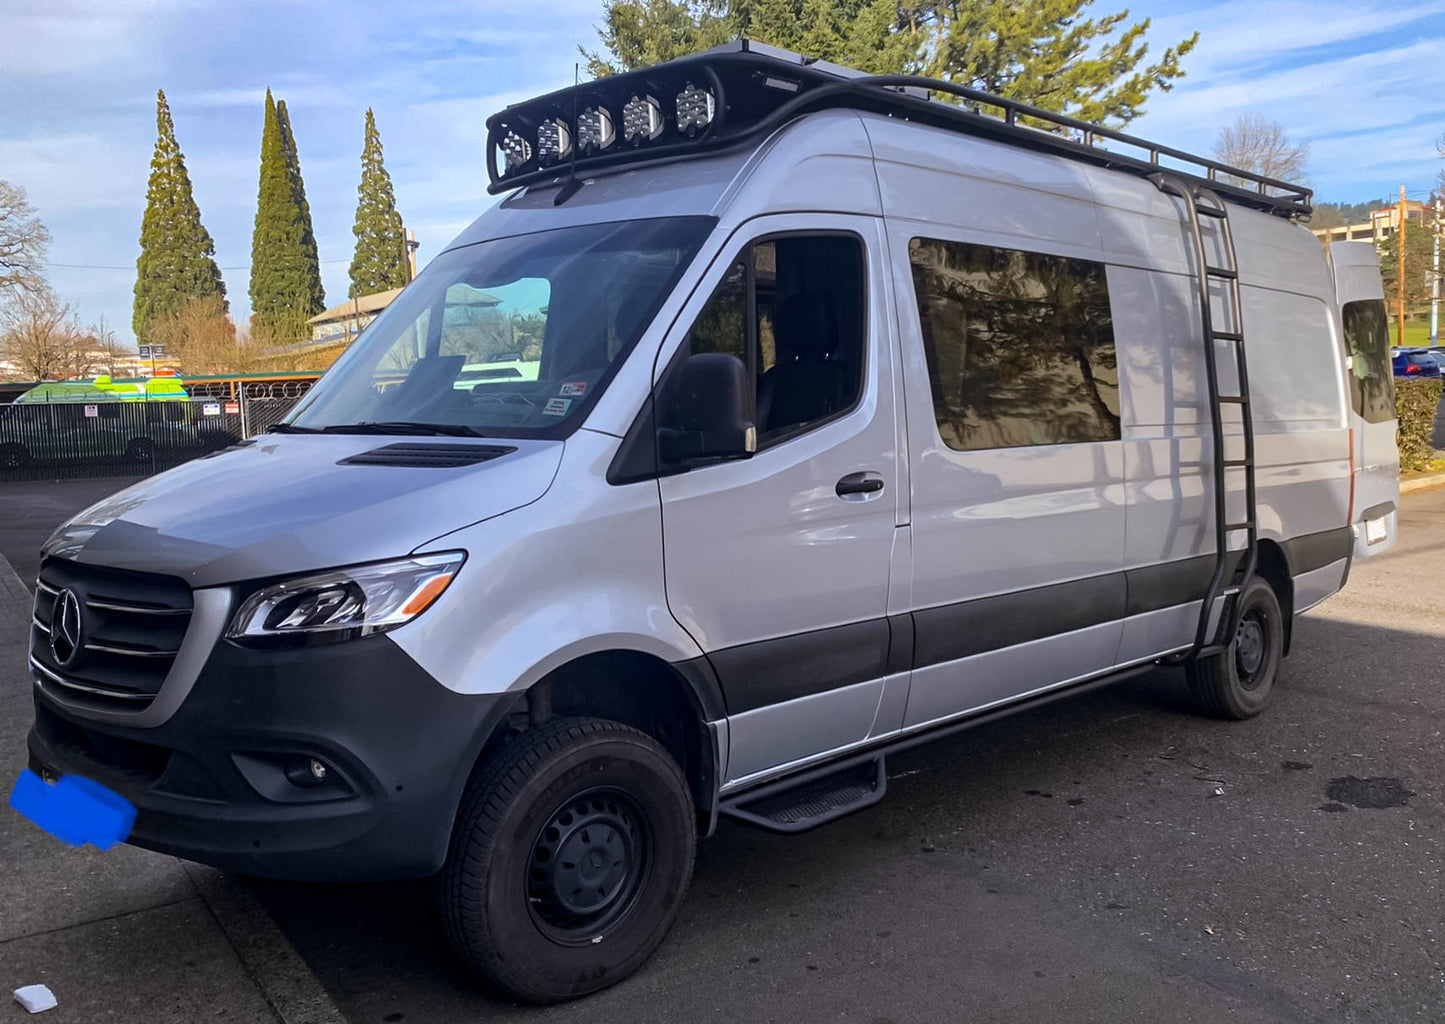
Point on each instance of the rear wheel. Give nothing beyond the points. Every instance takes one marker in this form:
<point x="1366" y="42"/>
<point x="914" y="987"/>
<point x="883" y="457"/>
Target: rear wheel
<point x="570" y="858"/>
<point x="1238" y="682"/>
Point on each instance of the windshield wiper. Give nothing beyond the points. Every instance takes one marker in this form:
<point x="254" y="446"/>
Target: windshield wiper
<point x="401" y="427"/>
<point x="287" y="428"/>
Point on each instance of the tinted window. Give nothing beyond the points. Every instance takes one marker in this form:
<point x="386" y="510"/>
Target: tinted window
<point x="1372" y="377"/>
<point x="802" y="336"/>
<point x="1020" y="346"/>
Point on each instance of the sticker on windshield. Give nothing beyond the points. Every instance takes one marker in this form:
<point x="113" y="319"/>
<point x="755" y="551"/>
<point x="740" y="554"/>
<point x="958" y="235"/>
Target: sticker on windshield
<point x="576" y="389"/>
<point x="557" y="407"/>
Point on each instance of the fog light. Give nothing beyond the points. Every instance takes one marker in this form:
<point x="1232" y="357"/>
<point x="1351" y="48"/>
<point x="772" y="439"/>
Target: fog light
<point x="306" y="772"/>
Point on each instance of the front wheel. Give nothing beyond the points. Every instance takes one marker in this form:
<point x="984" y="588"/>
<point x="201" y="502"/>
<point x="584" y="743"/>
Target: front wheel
<point x="1237" y="683"/>
<point x="570" y="859"/>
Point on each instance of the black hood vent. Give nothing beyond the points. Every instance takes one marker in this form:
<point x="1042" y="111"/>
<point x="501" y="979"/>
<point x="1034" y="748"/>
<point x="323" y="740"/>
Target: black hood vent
<point x="433" y="456"/>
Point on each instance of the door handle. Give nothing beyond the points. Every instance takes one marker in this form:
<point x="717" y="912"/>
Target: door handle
<point x="856" y="485"/>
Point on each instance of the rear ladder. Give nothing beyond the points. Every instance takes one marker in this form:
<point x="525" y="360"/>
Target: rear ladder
<point x="1201" y="203"/>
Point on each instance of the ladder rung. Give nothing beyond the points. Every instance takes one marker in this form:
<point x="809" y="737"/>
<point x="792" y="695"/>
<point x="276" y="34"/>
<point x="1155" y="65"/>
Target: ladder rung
<point x="1228" y="336"/>
<point x="1211" y="211"/>
<point x="1247" y="525"/>
<point x="1237" y="463"/>
<point x="1223" y="273"/>
<point x="1234" y="399"/>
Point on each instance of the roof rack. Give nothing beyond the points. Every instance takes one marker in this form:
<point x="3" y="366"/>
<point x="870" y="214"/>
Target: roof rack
<point x="733" y="95"/>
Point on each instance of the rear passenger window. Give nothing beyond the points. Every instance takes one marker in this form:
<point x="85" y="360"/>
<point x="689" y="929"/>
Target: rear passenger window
<point x="1372" y="375"/>
<point x="1020" y="346"/>
<point x="791" y="309"/>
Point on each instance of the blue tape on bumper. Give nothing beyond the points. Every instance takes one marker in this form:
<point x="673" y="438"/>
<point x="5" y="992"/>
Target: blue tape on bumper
<point x="74" y="810"/>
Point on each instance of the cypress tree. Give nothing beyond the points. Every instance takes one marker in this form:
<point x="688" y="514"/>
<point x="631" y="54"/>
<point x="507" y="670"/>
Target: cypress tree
<point x="381" y="260"/>
<point x="177" y="256"/>
<point x="284" y="288"/>
<point x="298" y="191"/>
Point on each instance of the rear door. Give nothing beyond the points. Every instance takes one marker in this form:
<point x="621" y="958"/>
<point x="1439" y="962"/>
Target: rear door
<point x="1372" y="395"/>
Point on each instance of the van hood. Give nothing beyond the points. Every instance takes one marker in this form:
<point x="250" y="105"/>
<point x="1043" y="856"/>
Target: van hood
<point x="286" y="503"/>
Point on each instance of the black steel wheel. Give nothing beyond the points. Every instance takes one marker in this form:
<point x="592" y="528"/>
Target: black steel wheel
<point x="1238" y="682"/>
<point x="569" y="859"/>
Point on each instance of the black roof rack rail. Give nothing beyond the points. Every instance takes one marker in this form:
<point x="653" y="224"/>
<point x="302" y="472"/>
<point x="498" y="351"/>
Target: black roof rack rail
<point x="739" y="92"/>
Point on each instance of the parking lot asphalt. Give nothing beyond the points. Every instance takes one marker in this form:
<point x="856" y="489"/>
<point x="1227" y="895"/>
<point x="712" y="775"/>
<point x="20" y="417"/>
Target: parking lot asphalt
<point x="1111" y="858"/>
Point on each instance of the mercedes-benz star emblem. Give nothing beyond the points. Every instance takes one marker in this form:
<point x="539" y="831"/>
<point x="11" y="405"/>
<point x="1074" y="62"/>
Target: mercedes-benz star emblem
<point x="65" y="628"/>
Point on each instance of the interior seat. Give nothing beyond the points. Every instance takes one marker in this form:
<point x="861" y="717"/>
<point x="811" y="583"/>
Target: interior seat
<point x="808" y="382"/>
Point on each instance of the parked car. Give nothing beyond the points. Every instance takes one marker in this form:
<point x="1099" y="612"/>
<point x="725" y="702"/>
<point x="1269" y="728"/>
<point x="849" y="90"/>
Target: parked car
<point x="1416" y="362"/>
<point x="857" y="418"/>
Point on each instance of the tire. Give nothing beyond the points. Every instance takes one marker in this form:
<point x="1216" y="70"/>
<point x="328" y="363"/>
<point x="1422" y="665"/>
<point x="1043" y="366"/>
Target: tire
<point x="140" y="449"/>
<point x="13" y="456"/>
<point x="1237" y="683"/>
<point x="512" y="890"/>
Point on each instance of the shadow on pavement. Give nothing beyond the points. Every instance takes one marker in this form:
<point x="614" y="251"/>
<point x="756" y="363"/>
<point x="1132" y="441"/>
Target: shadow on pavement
<point x="1069" y="863"/>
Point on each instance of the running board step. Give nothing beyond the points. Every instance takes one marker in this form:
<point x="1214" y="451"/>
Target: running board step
<point x="813" y="798"/>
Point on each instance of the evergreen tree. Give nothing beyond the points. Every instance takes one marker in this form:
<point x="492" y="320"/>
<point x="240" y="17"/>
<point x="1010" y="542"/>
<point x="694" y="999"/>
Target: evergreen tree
<point x="381" y="260"/>
<point x="1419" y="248"/>
<point x="298" y="191"/>
<point x="1045" y="52"/>
<point x="177" y="261"/>
<point x="284" y="285"/>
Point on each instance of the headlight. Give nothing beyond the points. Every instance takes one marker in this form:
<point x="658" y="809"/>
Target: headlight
<point x="345" y="603"/>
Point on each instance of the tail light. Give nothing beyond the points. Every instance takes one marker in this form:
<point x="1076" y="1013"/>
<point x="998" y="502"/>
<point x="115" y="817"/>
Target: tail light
<point x="1411" y="368"/>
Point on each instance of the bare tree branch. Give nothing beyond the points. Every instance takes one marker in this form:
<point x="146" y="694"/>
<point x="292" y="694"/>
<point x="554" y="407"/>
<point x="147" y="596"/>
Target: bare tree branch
<point x="24" y="242"/>
<point x="41" y="338"/>
<point x="1255" y="143"/>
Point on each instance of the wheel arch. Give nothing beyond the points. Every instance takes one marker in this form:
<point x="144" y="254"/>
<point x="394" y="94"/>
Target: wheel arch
<point x="1274" y="569"/>
<point x="679" y="704"/>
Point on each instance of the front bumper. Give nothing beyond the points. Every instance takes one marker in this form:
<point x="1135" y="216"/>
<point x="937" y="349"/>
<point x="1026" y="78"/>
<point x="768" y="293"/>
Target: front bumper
<point x="217" y="782"/>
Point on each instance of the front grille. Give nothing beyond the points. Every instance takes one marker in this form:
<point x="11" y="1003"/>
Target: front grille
<point x="131" y="627"/>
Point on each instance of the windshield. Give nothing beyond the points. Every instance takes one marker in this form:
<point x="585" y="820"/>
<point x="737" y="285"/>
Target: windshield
<point x="515" y="337"/>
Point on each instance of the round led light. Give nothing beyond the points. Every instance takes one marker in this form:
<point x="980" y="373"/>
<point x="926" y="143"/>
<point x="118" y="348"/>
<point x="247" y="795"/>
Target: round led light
<point x="695" y="110"/>
<point x="516" y="151"/>
<point x="554" y="142"/>
<point x="595" y="130"/>
<point x="641" y="120"/>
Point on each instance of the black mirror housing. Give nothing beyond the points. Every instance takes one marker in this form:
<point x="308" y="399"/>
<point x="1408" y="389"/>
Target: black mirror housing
<point x="704" y="412"/>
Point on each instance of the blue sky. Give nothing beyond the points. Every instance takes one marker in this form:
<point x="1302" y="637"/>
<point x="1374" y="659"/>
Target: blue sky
<point x="1363" y="82"/>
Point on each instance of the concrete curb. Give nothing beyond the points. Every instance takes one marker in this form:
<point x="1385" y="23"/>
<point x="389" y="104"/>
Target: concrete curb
<point x="277" y="970"/>
<point x="287" y="984"/>
<point x="1422" y="483"/>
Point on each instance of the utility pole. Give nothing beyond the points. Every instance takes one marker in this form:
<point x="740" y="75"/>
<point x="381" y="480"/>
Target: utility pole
<point x="1400" y="276"/>
<point x="1435" y="278"/>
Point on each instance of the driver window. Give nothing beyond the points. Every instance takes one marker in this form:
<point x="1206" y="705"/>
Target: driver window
<point x="803" y="343"/>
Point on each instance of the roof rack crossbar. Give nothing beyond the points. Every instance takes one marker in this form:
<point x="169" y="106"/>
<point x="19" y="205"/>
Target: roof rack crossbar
<point x="909" y="96"/>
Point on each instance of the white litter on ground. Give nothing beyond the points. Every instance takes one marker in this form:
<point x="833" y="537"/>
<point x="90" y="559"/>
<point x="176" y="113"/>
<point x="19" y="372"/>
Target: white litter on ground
<point x="35" y="998"/>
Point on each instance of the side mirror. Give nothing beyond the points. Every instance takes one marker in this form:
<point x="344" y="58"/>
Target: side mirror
<point x="704" y="411"/>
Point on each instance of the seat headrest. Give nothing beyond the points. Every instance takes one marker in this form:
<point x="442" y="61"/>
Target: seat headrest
<point x="806" y="325"/>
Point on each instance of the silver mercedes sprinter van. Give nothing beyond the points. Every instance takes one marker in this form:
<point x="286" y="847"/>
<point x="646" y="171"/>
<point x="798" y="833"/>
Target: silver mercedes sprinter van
<point x="778" y="418"/>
